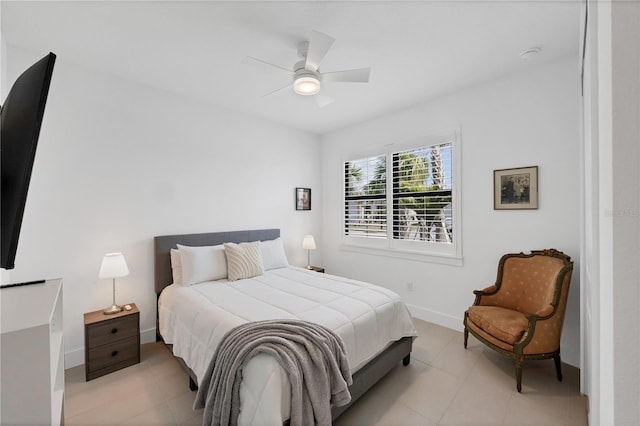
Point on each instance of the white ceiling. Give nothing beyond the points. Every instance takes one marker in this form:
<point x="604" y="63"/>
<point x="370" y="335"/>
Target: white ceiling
<point x="417" y="50"/>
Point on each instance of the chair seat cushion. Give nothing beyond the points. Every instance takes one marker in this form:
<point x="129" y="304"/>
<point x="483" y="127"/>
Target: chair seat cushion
<point x="504" y="324"/>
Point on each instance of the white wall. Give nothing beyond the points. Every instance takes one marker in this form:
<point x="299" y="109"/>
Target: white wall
<point x="612" y="236"/>
<point x="624" y="179"/>
<point x="522" y="120"/>
<point x="119" y="163"/>
<point x="3" y="64"/>
<point x="625" y="190"/>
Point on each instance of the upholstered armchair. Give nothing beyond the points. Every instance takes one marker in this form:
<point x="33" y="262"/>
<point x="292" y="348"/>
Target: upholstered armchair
<point x="521" y="315"/>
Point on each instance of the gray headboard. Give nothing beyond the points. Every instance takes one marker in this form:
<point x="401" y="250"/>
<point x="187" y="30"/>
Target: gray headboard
<point x="163" y="245"/>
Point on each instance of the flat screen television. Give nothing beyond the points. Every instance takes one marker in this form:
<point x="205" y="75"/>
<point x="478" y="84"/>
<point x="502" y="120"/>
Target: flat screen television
<point x="21" y="118"/>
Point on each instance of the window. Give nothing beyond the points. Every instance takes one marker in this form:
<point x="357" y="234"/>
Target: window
<point x="410" y="208"/>
<point x="365" y="201"/>
<point x="422" y="194"/>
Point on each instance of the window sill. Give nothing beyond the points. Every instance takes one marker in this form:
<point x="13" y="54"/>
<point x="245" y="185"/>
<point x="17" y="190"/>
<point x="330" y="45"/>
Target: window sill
<point x="418" y="256"/>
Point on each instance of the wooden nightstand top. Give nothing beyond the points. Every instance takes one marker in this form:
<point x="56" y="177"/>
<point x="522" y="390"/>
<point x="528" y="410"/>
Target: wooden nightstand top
<point x="98" y="316"/>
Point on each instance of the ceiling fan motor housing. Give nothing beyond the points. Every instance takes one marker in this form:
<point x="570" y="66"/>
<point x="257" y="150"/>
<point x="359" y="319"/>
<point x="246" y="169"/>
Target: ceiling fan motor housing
<point x="303" y="49"/>
<point x="299" y="66"/>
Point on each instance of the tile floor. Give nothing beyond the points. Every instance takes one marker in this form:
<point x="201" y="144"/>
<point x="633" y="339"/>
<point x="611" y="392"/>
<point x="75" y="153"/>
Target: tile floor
<point x="444" y="385"/>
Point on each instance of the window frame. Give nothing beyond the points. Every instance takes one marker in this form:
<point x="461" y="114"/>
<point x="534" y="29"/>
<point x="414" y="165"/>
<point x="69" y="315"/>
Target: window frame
<point x="427" y="251"/>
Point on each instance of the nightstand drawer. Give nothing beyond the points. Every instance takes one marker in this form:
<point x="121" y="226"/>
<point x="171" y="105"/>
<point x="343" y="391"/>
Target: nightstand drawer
<point x="111" y="331"/>
<point x="113" y="354"/>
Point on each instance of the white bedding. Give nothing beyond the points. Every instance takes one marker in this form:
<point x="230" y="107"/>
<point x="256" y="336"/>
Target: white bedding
<point x="194" y="319"/>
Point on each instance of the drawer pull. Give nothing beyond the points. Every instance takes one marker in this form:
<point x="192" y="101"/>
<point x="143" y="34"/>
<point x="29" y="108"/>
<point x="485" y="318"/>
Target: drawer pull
<point x="114" y="330"/>
<point x="114" y="353"/>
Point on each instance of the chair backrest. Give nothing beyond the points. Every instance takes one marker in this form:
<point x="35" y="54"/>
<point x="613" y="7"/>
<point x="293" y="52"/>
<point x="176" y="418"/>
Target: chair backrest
<point x="530" y="283"/>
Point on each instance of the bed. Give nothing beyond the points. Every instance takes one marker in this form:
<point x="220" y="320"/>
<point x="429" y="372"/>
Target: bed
<point x="192" y="319"/>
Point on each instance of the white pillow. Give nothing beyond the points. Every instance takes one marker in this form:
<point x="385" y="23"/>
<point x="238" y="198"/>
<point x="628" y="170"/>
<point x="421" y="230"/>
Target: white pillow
<point x="176" y="267"/>
<point x="244" y="260"/>
<point x="273" y="255"/>
<point x="200" y="264"/>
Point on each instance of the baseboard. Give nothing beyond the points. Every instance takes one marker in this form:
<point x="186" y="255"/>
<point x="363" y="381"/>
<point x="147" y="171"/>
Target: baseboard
<point x="148" y="336"/>
<point x="435" y="317"/>
<point x="73" y="358"/>
<point x="76" y="357"/>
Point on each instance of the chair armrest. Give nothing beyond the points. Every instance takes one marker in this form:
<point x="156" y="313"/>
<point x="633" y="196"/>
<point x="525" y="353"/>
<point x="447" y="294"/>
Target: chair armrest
<point x="548" y="337"/>
<point x="532" y="318"/>
<point x="545" y="312"/>
<point x="492" y="289"/>
<point x="489" y="291"/>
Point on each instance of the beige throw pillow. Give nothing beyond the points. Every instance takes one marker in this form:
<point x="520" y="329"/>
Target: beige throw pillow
<point x="244" y="260"/>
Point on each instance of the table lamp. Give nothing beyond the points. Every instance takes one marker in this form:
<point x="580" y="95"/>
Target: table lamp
<point x="308" y="243"/>
<point x="113" y="266"/>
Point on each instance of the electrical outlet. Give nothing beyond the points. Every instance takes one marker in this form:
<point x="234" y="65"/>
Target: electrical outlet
<point x="410" y="286"/>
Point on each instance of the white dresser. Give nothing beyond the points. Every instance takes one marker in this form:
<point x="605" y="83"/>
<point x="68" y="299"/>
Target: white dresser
<point x="32" y="354"/>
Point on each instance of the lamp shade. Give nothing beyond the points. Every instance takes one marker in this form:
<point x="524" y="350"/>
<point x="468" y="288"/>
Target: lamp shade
<point x="308" y="243"/>
<point x="113" y="266"/>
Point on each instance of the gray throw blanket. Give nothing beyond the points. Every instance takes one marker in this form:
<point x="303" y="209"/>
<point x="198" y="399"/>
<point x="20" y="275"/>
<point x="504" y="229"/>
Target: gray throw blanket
<point x="313" y="357"/>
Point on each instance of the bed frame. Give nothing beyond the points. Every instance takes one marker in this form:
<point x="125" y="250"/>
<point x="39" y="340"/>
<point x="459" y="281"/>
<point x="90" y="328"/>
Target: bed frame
<point x="363" y="379"/>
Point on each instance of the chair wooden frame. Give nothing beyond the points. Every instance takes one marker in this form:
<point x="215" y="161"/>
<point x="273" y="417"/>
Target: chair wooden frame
<point x="517" y="353"/>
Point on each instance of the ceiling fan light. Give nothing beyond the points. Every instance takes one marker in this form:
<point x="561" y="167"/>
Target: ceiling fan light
<point x="306" y="85"/>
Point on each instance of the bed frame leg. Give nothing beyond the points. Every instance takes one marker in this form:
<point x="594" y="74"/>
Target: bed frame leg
<point x="406" y="360"/>
<point x="192" y="385"/>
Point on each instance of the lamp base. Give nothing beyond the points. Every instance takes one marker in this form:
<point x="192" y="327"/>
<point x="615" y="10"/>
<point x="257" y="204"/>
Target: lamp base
<point x="114" y="309"/>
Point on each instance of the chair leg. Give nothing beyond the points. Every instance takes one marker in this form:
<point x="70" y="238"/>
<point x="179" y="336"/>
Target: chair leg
<point x="556" y="360"/>
<point x="519" y="375"/>
<point x="466" y="337"/>
<point x="406" y="360"/>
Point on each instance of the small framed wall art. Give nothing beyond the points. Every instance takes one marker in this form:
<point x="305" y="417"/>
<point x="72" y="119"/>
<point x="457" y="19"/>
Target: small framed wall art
<point x="303" y="198"/>
<point x="515" y="189"/>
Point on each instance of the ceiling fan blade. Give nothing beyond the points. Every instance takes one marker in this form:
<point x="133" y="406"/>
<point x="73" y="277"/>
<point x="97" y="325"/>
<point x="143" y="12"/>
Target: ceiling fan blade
<point x="349" y="76"/>
<point x="322" y="100"/>
<point x="250" y="60"/>
<point x="319" y="45"/>
<point x="277" y="90"/>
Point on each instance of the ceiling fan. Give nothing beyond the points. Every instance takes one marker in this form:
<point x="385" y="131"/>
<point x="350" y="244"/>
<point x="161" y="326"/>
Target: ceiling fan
<point x="306" y="77"/>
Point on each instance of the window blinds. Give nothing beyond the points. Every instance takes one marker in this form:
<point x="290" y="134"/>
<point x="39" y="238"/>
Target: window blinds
<point x="422" y="194"/>
<point x="365" y="201"/>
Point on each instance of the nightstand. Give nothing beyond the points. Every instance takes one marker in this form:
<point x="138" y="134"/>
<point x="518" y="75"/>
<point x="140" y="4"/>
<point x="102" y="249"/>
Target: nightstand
<point x="317" y="269"/>
<point x="111" y="342"/>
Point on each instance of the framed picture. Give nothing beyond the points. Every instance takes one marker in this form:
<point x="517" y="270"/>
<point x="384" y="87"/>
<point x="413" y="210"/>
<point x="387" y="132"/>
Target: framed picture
<point x="515" y="189"/>
<point x="303" y="198"/>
